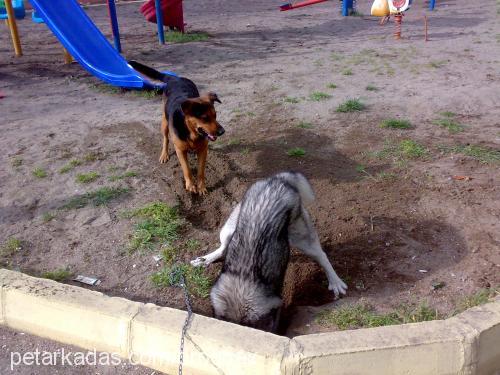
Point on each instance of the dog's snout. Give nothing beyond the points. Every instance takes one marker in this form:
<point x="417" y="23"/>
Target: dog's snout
<point x="220" y="130"/>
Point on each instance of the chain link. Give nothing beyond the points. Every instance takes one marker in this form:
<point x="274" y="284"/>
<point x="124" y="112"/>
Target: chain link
<point x="186" y="322"/>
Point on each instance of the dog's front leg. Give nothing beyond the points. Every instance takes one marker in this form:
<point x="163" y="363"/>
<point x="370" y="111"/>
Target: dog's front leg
<point x="303" y="236"/>
<point x="226" y="234"/>
<point x="202" y="161"/>
<point x="164" y="148"/>
<point x="188" y="178"/>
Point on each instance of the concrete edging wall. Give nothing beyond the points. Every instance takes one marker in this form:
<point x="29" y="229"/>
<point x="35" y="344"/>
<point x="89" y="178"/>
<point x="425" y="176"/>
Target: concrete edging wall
<point x="466" y="344"/>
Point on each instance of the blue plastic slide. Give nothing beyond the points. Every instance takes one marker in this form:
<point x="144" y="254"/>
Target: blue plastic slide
<point x="83" y="40"/>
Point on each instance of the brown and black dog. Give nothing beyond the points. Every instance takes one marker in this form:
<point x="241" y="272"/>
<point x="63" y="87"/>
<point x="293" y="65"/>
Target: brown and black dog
<point x="192" y="120"/>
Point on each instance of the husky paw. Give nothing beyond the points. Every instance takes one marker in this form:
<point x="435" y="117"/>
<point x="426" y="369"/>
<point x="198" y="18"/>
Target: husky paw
<point x="200" y="261"/>
<point x="337" y="287"/>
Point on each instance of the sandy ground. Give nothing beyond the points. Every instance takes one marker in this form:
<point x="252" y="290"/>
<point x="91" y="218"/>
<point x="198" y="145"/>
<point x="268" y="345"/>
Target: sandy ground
<point x="380" y="221"/>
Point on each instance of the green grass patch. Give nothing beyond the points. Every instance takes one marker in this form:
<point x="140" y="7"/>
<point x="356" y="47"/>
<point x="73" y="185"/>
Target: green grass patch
<point x="402" y="152"/>
<point x="197" y="281"/>
<point x="451" y="125"/>
<point x="291" y="100"/>
<point x="148" y="94"/>
<point x="396" y="124"/>
<point x="351" y="105"/>
<point x="193" y="244"/>
<point x="87" y="178"/>
<point x="447" y="114"/>
<point x="72" y="164"/>
<point x="106" y="89"/>
<point x="318" y="96"/>
<point x="61" y="274"/>
<point x="97" y="197"/>
<point x="331" y="86"/>
<point x="296" y="152"/>
<point x="410" y="149"/>
<point x="372" y="88"/>
<point x="304" y="125"/>
<point x="39" y="172"/>
<point x="11" y="246"/>
<point x="48" y="216"/>
<point x="178" y="37"/>
<point x="127" y="174"/>
<point x="363" y="315"/>
<point x="94" y="156"/>
<point x="158" y="223"/>
<point x="479" y="298"/>
<point x="485" y="155"/>
<point x="347" y="72"/>
<point x="437" y="64"/>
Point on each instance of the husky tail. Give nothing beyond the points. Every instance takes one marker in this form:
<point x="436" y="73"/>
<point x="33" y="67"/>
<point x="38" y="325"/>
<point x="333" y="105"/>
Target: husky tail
<point x="298" y="181"/>
<point x="149" y="72"/>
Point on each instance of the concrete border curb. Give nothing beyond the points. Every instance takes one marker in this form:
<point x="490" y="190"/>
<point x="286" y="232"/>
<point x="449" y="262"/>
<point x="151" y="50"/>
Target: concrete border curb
<point x="466" y="344"/>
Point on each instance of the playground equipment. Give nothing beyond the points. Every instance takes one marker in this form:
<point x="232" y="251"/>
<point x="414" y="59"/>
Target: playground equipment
<point x="17" y="6"/>
<point x="83" y="40"/>
<point x="347" y="5"/>
<point x="11" y="20"/>
<point x="386" y="8"/>
<point x="170" y="11"/>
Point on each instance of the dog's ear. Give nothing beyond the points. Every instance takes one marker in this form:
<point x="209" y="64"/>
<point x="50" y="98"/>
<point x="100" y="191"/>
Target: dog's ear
<point x="211" y="97"/>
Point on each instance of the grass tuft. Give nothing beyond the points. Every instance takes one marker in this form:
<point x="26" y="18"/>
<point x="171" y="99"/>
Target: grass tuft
<point x="351" y="105"/>
<point x="159" y="223"/>
<point x="296" y="152"/>
<point x="479" y="298"/>
<point x="197" y="281"/>
<point x="291" y="100"/>
<point x="363" y="315"/>
<point x="97" y="197"/>
<point x="372" y="88"/>
<point x="410" y="149"/>
<point x="347" y="72"/>
<point x="193" y="244"/>
<point x="60" y="274"/>
<point x="86" y="178"/>
<point x="48" y="216"/>
<point x="127" y="174"/>
<point x="448" y="114"/>
<point x="11" y="246"/>
<point x="396" y="124"/>
<point x="178" y="37"/>
<point x="449" y="124"/>
<point x="72" y="164"/>
<point x="485" y="155"/>
<point x="39" y="172"/>
<point x="304" y="125"/>
<point x="318" y="96"/>
<point x="331" y="86"/>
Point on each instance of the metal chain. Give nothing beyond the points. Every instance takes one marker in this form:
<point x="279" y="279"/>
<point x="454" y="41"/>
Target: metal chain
<point x="186" y="322"/>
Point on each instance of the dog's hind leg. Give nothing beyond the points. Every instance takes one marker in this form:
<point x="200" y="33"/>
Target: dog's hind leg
<point x="226" y="234"/>
<point x="303" y="236"/>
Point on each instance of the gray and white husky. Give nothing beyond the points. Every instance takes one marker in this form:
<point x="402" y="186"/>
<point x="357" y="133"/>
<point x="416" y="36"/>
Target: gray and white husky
<point x="255" y="242"/>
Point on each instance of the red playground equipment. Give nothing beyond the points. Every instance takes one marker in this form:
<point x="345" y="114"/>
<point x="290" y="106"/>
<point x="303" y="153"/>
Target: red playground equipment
<point x="300" y="4"/>
<point x="171" y="10"/>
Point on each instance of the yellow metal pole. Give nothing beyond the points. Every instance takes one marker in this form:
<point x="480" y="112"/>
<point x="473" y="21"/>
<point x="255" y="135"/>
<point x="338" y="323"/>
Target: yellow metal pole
<point x="68" y="59"/>
<point x="13" y="28"/>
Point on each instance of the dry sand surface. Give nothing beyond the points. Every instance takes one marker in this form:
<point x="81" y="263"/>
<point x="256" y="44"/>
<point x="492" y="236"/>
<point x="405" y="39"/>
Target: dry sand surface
<point x="389" y="202"/>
